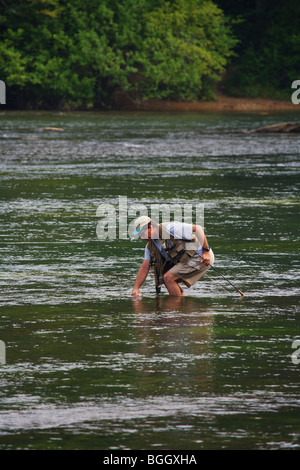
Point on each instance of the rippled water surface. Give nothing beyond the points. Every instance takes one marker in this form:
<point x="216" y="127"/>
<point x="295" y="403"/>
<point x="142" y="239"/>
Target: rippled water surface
<point x="87" y="366"/>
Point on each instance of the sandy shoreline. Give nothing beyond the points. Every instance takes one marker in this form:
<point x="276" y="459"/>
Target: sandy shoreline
<point x="223" y="103"/>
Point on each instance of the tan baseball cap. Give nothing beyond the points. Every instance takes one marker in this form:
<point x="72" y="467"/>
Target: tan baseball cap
<point x="140" y="223"/>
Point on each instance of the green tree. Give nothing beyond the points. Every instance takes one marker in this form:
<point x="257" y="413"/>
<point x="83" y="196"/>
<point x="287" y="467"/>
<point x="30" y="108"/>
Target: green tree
<point x="58" y="53"/>
<point x="184" y="50"/>
<point x="267" y="59"/>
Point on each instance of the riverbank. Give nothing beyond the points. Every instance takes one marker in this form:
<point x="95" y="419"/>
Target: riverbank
<point x="222" y="104"/>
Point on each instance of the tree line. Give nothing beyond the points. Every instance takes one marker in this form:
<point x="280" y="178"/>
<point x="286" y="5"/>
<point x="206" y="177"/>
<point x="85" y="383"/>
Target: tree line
<point x="267" y="55"/>
<point x="79" y="54"/>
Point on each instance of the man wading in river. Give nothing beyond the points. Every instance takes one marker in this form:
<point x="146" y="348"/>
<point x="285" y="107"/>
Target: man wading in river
<point x="178" y="251"/>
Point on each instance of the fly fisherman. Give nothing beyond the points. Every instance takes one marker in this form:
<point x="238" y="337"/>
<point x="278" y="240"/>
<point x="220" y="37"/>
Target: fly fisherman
<point x="178" y="251"/>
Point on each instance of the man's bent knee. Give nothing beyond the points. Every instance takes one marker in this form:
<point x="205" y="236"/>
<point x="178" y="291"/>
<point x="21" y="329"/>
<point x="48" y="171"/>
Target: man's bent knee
<point x="169" y="277"/>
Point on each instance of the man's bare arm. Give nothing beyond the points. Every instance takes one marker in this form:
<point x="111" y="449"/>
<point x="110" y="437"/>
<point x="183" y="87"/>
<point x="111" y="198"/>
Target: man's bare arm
<point x="141" y="277"/>
<point x="198" y="230"/>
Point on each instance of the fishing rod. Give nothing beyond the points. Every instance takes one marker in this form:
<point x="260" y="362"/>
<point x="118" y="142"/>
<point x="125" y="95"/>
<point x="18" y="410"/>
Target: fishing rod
<point x="238" y="290"/>
<point x="156" y="277"/>
<point x="226" y="289"/>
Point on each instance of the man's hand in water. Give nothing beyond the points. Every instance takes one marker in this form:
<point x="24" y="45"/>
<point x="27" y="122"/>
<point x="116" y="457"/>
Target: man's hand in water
<point x="136" y="292"/>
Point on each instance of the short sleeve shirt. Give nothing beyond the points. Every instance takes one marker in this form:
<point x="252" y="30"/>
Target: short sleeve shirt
<point x="179" y="230"/>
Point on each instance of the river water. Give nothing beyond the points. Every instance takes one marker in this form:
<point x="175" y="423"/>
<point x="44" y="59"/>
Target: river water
<point x="88" y="367"/>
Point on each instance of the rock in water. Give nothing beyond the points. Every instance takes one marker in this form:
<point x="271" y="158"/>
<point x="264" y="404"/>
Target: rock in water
<point x="284" y="127"/>
<point x="51" y="129"/>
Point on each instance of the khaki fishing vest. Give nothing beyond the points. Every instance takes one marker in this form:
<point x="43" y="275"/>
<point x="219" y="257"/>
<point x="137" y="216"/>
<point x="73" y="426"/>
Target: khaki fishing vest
<point x="179" y="251"/>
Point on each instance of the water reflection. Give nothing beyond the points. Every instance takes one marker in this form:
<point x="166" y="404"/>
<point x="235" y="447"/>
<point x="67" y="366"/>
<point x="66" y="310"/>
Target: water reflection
<point x="166" y="303"/>
<point x="175" y="334"/>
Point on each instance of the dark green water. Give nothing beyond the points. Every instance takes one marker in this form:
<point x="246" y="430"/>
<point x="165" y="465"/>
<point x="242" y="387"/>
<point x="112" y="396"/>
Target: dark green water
<point x="88" y="367"/>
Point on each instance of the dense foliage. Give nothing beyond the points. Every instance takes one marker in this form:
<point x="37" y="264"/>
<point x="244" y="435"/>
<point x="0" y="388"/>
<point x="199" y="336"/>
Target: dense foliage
<point x="58" y="53"/>
<point x="267" y="57"/>
<point x="74" y="53"/>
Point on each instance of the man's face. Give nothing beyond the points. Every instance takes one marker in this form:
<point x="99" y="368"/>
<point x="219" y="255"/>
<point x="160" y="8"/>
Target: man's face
<point x="149" y="233"/>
